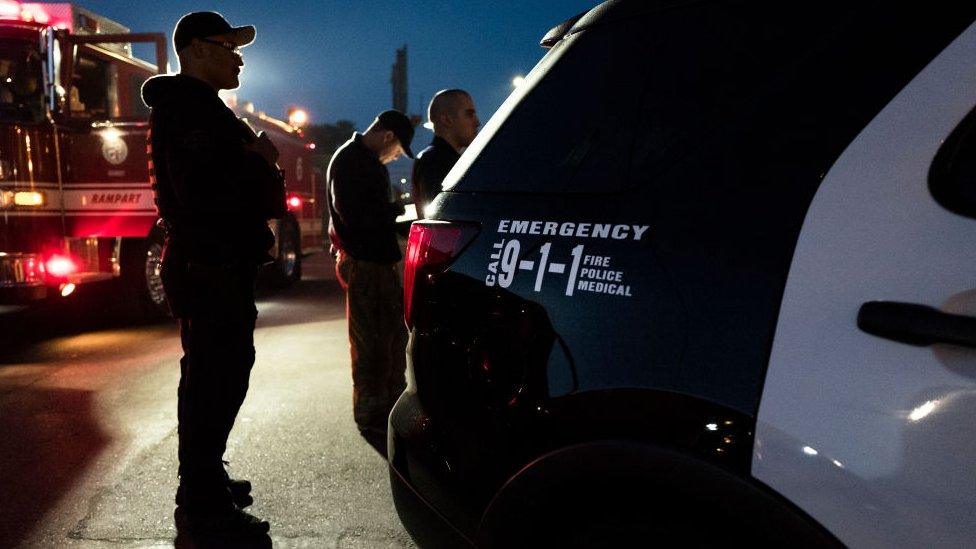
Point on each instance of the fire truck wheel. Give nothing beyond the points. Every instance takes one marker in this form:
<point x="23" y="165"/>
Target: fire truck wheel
<point x="287" y="268"/>
<point x="151" y="269"/>
<point x="141" y="260"/>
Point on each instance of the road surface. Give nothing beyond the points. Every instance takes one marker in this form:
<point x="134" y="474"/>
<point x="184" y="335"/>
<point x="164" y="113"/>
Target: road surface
<point x="88" y="424"/>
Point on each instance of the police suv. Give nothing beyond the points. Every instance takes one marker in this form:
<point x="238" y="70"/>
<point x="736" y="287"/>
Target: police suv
<point x="708" y="276"/>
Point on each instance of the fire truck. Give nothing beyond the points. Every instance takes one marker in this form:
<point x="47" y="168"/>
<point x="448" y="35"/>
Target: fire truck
<point x="75" y="201"/>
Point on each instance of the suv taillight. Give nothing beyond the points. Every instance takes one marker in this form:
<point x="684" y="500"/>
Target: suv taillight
<point x="433" y="245"/>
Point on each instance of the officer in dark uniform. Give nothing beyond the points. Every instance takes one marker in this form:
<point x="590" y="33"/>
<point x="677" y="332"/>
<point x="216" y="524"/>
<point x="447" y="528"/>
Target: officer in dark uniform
<point x="216" y="184"/>
<point x="455" y="124"/>
<point x="362" y="229"/>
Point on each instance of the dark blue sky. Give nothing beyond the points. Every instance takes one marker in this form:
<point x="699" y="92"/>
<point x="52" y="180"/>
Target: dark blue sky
<point x="334" y="58"/>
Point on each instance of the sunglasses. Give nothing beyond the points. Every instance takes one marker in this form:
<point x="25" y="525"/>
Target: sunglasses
<point x="226" y="45"/>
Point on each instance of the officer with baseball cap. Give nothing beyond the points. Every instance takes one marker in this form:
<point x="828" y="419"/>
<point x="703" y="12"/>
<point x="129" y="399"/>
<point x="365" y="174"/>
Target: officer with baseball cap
<point x="204" y="25"/>
<point x="216" y="185"/>
<point x="362" y="229"/>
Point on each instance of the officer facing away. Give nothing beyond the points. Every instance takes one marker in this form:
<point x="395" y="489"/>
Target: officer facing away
<point x="455" y="122"/>
<point x="362" y="229"/>
<point x="216" y="185"/>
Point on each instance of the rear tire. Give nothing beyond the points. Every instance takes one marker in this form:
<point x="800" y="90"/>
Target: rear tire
<point x="618" y="493"/>
<point x="141" y="263"/>
<point x="287" y="267"/>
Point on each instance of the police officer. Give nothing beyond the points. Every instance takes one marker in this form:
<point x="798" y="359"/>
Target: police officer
<point x="216" y="184"/>
<point x="362" y="230"/>
<point x="455" y="122"/>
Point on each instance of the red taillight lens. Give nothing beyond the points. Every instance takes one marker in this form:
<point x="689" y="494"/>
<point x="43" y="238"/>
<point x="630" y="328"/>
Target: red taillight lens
<point x="433" y="245"/>
<point x="294" y="202"/>
<point x="60" y="266"/>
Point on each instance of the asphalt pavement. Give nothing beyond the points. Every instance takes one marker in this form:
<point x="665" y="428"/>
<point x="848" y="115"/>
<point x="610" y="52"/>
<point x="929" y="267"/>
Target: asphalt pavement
<point x="88" y="426"/>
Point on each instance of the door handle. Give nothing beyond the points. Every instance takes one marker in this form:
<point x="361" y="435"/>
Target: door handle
<point x="916" y="324"/>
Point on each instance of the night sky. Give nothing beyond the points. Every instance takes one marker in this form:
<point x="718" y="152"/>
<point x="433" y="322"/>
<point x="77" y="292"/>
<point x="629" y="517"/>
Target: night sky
<point x="334" y="58"/>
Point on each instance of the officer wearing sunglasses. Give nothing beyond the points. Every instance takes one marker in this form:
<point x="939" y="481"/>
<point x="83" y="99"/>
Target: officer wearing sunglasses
<point x="216" y="184"/>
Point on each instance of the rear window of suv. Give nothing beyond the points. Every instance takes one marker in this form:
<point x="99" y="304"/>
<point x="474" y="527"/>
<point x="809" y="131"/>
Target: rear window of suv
<point x="614" y="105"/>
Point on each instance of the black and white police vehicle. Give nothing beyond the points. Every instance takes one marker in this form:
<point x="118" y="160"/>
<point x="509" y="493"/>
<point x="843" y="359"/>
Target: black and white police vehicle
<point x="708" y="276"/>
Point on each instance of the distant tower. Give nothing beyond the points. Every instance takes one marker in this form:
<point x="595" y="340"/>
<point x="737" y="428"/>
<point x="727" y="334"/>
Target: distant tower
<point x="399" y="80"/>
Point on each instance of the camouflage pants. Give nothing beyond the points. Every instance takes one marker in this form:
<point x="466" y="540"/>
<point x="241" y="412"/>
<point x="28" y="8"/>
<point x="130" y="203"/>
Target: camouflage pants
<point x="377" y="337"/>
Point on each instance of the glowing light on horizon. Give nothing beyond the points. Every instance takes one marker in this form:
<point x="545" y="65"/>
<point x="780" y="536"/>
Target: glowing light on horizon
<point x="922" y="411"/>
<point x="297" y="118"/>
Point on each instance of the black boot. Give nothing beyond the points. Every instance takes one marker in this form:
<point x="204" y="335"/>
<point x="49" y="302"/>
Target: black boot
<point x="240" y="492"/>
<point x="210" y="511"/>
<point x="225" y="523"/>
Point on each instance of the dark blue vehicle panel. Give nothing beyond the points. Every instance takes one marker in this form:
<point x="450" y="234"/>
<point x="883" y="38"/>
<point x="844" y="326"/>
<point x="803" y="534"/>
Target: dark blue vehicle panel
<point x="637" y="209"/>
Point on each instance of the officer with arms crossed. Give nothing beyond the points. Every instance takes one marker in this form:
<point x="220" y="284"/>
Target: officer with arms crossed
<point x="216" y="185"/>
<point x="455" y="122"/>
<point x="362" y="230"/>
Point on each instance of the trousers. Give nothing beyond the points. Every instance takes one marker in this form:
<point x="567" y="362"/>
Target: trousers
<point x="217" y="333"/>
<point x="377" y="337"/>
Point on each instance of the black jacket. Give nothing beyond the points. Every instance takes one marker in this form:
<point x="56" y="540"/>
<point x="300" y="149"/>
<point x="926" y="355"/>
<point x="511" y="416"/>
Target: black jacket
<point x="429" y="170"/>
<point x="362" y="218"/>
<point x="215" y="195"/>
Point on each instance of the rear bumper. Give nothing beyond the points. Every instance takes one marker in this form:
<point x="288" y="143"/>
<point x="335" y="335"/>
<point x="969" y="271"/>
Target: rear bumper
<point x="427" y="527"/>
<point x="412" y="466"/>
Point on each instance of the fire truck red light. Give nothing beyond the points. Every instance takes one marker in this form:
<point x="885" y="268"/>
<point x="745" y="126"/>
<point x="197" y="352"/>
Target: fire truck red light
<point x="9" y="9"/>
<point x="59" y="265"/>
<point x="36" y="13"/>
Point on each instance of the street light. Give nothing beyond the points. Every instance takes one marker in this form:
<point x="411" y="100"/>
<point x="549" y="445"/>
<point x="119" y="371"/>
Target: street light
<point x="297" y="118"/>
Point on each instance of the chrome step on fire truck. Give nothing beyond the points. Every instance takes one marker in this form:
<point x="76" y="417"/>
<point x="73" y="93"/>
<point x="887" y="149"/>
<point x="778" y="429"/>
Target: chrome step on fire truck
<point x="76" y="206"/>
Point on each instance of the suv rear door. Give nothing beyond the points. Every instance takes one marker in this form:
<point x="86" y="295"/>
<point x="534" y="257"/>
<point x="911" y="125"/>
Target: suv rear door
<point x="872" y="436"/>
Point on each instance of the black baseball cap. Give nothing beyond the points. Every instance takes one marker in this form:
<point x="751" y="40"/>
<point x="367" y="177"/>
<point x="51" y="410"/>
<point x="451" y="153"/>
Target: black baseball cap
<point x="203" y="24"/>
<point x="400" y="125"/>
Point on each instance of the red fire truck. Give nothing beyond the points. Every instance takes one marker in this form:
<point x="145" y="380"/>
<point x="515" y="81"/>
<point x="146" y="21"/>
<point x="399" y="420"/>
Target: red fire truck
<point x="75" y="201"/>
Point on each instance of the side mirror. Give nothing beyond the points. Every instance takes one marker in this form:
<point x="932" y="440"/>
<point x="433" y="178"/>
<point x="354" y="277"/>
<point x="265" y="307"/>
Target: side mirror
<point x="952" y="176"/>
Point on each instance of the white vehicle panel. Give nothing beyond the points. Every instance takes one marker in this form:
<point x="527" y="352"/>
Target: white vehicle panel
<point x="875" y="439"/>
